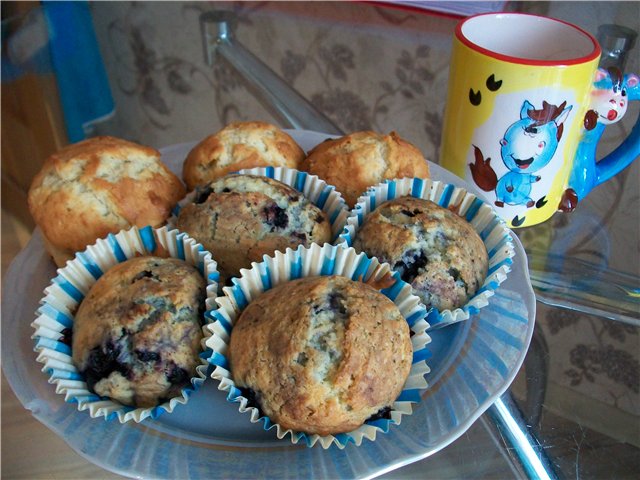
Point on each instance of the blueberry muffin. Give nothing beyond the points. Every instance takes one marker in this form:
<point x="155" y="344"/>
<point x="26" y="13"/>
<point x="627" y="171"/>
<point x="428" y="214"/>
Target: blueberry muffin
<point x="435" y="250"/>
<point x="238" y="146"/>
<point x="240" y="218"/>
<point x="321" y="354"/>
<point x="100" y="186"/>
<point x="136" y="335"/>
<point x="357" y="161"/>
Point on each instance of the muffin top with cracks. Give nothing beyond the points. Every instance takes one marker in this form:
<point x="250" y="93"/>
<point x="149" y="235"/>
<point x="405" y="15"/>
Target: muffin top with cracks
<point x="432" y="248"/>
<point x="136" y="335"/>
<point x="321" y="354"/>
<point x="240" y="218"/>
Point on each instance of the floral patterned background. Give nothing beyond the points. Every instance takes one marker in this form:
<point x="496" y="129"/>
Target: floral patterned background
<point x="373" y="67"/>
<point x="359" y="79"/>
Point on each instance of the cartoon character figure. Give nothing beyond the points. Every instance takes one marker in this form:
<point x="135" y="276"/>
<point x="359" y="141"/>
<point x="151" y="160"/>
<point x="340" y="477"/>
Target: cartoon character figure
<point x="609" y="101"/>
<point x="527" y="146"/>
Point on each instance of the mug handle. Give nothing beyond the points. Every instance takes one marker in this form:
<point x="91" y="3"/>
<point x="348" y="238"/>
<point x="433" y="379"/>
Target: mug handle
<point x="586" y="172"/>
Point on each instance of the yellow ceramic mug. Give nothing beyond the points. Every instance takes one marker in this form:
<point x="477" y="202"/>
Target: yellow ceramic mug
<point x="519" y="88"/>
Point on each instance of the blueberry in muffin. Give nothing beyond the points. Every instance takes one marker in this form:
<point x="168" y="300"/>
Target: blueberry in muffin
<point x="240" y="218"/>
<point x="136" y="335"/>
<point x="434" y="249"/>
<point x="321" y="354"/>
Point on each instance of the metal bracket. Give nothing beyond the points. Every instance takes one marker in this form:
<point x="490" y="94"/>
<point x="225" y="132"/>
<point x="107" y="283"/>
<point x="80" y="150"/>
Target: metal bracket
<point x="271" y="90"/>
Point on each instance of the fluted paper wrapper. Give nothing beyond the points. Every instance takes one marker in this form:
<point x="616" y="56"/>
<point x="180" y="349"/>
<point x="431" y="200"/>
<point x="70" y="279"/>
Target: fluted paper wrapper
<point x="316" y="190"/>
<point x="490" y="227"/>
<point x="62" y="297"/>
<point x="308" y="262"/>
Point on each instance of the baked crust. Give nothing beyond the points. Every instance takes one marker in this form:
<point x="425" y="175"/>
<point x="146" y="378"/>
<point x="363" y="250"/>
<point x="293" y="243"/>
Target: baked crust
<point x="100" y="186"/>
<point x="237" y="146"/>
<point x="434" y="249"/>
<point x="136" y="335"/>
<point x="321" y="354"/>
<point x="240" y="218"/>
<point x="357" y="161"/>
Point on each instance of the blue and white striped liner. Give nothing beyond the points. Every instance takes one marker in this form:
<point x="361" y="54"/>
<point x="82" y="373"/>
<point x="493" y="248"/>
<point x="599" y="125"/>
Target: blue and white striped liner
<point x="491" y="228"/>
<point x="72" y="283"/>
<point x="322" y="195"/>
<point x="307" y="262"/>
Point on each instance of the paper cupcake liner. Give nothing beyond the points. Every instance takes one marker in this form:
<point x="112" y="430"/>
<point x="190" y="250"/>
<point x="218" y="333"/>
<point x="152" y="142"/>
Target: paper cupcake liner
<point x="322" y="195"/>
<point x="492" y="229"/>
<point x="55" y="316"/>
<point x="307" y="262"/>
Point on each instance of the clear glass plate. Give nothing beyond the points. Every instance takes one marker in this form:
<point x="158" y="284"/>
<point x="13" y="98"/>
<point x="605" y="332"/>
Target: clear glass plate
<point x="473" y="363"/>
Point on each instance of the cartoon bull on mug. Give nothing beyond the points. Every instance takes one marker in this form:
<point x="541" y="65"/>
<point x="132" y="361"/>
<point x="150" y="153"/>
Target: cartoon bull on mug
<point x="527" y="146"/>
<point x="530" y="143"/>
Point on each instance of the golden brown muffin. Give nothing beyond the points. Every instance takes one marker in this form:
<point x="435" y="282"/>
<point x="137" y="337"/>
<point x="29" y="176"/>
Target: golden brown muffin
<point x="357" y="161"/>
<point x="436" y="251"/>
<point x="321" y="354"/>
<point x="100" y="186"/>
<point x="237" y="146"/>
<point x="240" y="218"/>
<point x="136" y="335"/>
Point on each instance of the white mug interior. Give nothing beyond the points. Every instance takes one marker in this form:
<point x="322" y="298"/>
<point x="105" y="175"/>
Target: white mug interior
<point x="529" y="37"/>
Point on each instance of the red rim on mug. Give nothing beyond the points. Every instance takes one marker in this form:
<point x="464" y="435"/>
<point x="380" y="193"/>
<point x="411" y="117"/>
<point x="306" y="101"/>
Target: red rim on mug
<point x="482" y="42"/>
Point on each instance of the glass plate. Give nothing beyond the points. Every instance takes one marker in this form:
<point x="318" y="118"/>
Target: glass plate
<point x="473" y="363"/>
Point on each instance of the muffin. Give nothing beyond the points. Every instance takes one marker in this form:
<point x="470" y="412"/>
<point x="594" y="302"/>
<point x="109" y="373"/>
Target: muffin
<point x="433" y="249"/>
<point x="321" y="354"/>
<point x="237" y="146"/>
<point x="136" y="335"/>
<point x="100" y="186"/>
<point x="240" y="218"/>
<point x="354" y="162"/>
